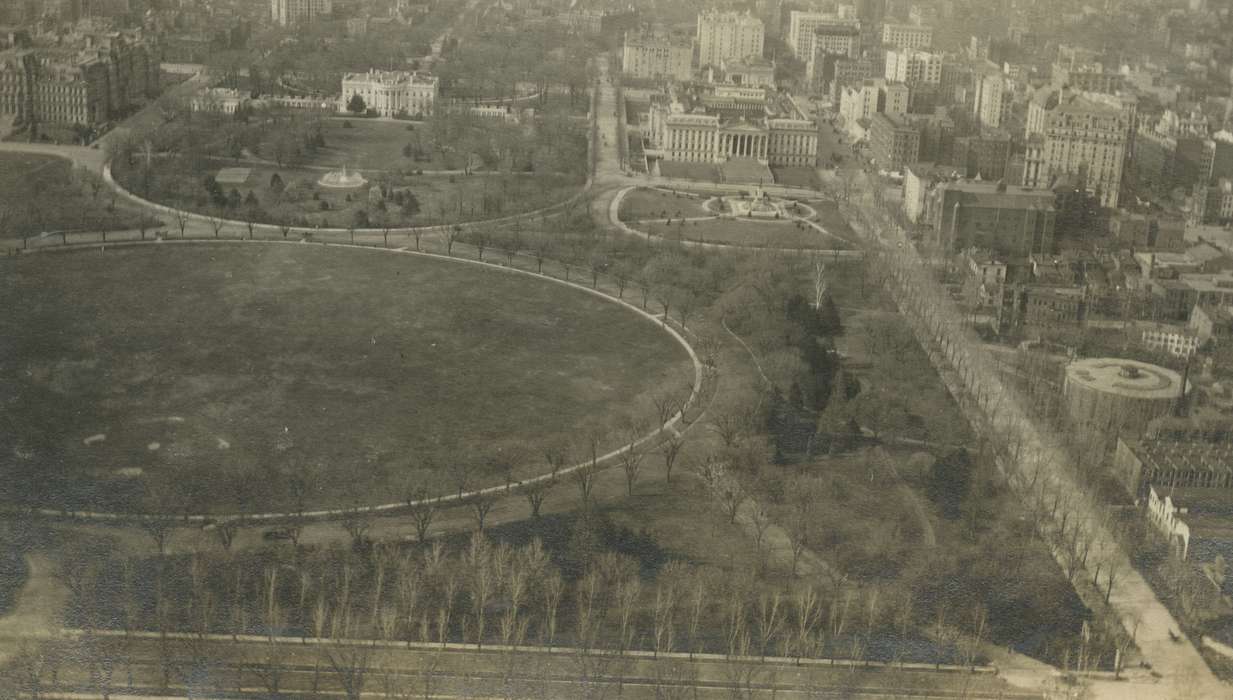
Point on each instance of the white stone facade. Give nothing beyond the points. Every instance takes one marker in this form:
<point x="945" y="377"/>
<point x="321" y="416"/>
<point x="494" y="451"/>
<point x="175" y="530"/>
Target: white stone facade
<point x="391" y="93"/>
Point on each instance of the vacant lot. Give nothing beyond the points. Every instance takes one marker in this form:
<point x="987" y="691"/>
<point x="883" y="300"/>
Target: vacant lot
<point x="43" y="194"/>
<point x="204" y="377"/>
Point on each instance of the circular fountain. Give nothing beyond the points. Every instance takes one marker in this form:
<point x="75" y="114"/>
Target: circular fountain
<point x="342" y="179"/>
<point x="756" y="204"/>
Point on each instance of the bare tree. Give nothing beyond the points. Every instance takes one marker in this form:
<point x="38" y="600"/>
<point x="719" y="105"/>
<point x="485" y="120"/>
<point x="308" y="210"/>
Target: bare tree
<point x="217" y="223"/>
<point x="357" y="521"/>
<point x="351" y="664"/>
<point x="481" y="581"/>
<point x="535" y="492"/>
<point x="551" y="589"/>
<point x="481" y="504"/>
<point x="670" y="449"/>
<point x="631" y="464"/>
<point x="423" y="510"/>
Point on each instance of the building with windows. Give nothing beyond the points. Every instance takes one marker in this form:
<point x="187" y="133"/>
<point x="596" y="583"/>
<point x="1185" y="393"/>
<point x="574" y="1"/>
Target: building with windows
<point x="729" y="128"/>
<point x="806" y="29"/>
<point x="994" y="95"/>
<point x="907" y="36"/>
<point x="391" y="93"/>
<point x="756" y="72"/>
<point x="985" y="155"/>
<point x="895" y="141"/>
<point x="289" y="13"/>
<point x="832" y="73"/>
<point x="728" y="36"/>
<point x="860" y="102"/>
<point x="657" y="55"/>
<point x="90" y="76"/>
<point x="1009" y="221"/>
<point x="1084" y="135"/>
<point x="913" y="67"/>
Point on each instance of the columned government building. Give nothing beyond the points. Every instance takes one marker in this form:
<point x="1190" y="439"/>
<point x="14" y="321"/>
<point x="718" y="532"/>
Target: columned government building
<point x="720" y="128"/>
<point x="391" y="93"/>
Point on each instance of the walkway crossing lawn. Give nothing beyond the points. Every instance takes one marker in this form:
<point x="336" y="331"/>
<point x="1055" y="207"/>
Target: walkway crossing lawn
<point x="216" y="377"/>
<point x="747" y="232"/>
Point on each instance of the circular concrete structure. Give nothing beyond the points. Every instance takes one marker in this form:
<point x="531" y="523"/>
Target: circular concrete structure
<point x="1121" y="396"/>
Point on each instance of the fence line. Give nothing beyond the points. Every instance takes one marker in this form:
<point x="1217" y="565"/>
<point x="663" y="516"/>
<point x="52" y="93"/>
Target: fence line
<point x="401" y="507"/>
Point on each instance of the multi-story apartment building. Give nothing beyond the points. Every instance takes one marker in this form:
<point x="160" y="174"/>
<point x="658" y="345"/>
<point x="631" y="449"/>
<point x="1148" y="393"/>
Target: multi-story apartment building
<point x="913" y="67"/>
<point x="1083" y="135"/>
<point x="1011" y="221"/>
<point x="907" y="36"/>
<point x="292" y="12"/>
<point x="994" y="96"/>
<point x="895" y="141"/>
<point x="728" y="36"/>
<point x="983" y="155"/>
<point x="833" y="73"/>
<point x="657" y="55"/>
<point x="861" y="101"/>
<point x="831" y="41"/>
<point x="840" y="32"/>
<point x="391" y="93"/>
<point x="1213" y="204"/>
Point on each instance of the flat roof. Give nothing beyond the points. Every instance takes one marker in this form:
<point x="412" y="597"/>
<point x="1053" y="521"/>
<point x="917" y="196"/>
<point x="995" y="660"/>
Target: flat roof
<point x="1129" y="378"/>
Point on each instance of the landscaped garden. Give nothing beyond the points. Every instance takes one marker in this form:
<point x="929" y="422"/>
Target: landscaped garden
<point x="269" y="169"/>
<point x="238" y="378"/>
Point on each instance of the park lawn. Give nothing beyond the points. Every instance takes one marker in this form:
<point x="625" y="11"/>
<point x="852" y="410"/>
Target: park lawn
<point x="796" y="177"/>
<point x="1031" y="603"/>
<point x="42" y="194"/>
<point x="646" y="203"/>
<point x="372" y="145"/>
<point x="830" y="218"/>
<point x="230" y="367"/>
<point x="706" y="172"/>
<point x="482" y="196"/>
<point x="753" y="233"/>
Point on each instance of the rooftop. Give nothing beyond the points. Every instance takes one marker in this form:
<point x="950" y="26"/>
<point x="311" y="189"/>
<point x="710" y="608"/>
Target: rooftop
<point x="1128" y="378"/>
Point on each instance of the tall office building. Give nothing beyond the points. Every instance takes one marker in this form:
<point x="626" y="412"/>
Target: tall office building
<point x="1084" y="135"/>
<point x="292" y="12"/>
<point x="657" y="55"/>
<point x="913" y="67"/>
<point x="728" y="36"/>
<point x="803" y="29"/>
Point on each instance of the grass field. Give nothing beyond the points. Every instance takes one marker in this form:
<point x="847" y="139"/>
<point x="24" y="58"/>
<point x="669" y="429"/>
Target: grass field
<point x="42" y="194"/>
<point x="228" y="372"/>
<point x="647" y="203"/>
<point x="760" y="234"/>
<point x="375" y="145"/>
<point x="300" y="204"/>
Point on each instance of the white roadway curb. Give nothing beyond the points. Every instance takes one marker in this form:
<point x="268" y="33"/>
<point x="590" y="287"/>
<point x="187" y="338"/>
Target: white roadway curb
<point x="274" y="228"/>
<point x="397" y="507"/>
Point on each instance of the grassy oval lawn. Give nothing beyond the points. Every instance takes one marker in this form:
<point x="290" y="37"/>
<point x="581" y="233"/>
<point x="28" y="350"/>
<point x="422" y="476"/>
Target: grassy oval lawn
<point x="222" y="378"/>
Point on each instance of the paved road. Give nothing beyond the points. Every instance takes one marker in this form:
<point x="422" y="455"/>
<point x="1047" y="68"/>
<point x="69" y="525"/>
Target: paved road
<point x="220" y="665"/>
<point x="1185" y="674"/>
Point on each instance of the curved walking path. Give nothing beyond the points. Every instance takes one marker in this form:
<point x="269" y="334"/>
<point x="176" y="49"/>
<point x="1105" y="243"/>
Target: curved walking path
<point x="614" y="219"/>
<point x="400" y="507"/>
